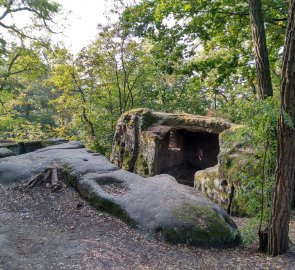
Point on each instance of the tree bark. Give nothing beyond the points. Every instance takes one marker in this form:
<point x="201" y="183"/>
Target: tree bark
<point x="260" y="49"/>
<point x="284" y="188"/>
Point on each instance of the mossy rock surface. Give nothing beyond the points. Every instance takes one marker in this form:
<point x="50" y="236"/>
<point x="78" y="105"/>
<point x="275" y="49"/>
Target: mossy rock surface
<point x="140" y="132"/>
<point x="140" y="135"/>
<point x="210" y="184"/>
<point x="236" y="160"/>
<point x="157" y="206"/>
<point x="208" y="227"/>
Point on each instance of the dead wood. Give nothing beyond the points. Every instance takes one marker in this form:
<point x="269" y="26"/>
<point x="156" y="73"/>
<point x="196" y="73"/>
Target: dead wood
<point x="50" y="177"/>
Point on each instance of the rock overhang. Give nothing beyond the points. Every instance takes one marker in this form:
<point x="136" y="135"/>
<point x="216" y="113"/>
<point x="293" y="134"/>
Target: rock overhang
<point x="151" y="143"/>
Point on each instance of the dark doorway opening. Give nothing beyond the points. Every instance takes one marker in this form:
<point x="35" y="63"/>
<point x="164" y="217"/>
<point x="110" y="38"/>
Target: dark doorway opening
<point x="184" y="152"/>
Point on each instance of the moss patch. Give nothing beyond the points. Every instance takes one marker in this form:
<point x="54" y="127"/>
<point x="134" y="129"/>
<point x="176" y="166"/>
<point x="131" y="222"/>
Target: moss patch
<point x="238" y="163"/>
<point x="148" y="119"/>
<point x="142" y="167"/>
<point x="110" y="207"/>
<point x="204" y="228"/>
<point x="68" y="176"/>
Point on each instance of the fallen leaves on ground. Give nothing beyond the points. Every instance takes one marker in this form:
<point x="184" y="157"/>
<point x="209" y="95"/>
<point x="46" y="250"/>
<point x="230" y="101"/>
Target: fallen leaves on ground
<point x="62" y="231"/>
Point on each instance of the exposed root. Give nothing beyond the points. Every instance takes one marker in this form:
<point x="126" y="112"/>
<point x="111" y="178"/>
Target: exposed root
<point x="50" y="177"/>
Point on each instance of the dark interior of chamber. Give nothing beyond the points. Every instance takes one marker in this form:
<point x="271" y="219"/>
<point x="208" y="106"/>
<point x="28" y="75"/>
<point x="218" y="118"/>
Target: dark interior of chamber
<point x="184" y="152"/>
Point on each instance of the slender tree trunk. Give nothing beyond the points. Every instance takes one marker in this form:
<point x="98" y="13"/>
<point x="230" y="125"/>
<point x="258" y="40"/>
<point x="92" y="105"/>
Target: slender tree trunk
<point x="284" y="189"/>
<point x="90" y="125"/>
<point x="260" y="48"/>
<point x="91" y="130"/>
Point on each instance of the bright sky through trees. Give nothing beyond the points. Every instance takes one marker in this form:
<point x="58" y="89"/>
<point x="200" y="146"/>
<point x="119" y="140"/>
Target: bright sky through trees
<point x="78" y="23"/>
<point x="82" y="22"/>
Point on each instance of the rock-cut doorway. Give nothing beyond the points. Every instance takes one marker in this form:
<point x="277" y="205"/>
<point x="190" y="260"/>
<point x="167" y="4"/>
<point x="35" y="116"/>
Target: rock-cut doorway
<point x="183" y="152"/>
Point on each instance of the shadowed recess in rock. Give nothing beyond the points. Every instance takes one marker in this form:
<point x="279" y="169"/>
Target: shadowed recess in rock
<point x="184" y="152"/>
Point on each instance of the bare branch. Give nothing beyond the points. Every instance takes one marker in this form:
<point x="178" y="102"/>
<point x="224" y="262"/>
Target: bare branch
<point x="7" y="10"/>
<point x="9" y="69"/>
<point x="280" y="20"/>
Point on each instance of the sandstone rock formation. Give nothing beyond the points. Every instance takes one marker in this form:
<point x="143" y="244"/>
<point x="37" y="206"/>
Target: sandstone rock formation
<point x="19" y="148"/>
<point x="150" y="143"/>
<point x="5" y="152"/>
<point x="198" y="151"/>
<point x="157" y="205"/>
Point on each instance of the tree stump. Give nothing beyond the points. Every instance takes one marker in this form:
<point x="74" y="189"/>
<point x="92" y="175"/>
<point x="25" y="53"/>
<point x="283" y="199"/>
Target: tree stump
<point x="50" y="177"/>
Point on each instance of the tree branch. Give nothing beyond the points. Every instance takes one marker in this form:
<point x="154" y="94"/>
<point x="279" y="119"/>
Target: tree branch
<point x="7" y="10"/>
<point x="9" y="69"/>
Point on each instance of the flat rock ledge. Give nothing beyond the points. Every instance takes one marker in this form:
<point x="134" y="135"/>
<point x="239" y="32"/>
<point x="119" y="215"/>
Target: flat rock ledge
<point x="157" y="206"/>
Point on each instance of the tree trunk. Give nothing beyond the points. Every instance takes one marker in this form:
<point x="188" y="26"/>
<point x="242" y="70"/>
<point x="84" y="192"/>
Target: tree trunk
<point x="260" y="48"/>
<point x="284" y="189"/>
<point x="90" y="125"/>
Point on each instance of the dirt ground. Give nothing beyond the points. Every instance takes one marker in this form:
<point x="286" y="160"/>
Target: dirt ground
<point x="44" y="230"/>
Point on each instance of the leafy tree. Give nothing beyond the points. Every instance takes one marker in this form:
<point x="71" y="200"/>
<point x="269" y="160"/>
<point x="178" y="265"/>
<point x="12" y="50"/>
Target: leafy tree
<point x="25" y="109"/>
<point x="42" y="12"/>
<point x="128" y="61"/>
<point x="14" y="37"/>
<point x="211" y="38"/>
<point x="101" y="82"/>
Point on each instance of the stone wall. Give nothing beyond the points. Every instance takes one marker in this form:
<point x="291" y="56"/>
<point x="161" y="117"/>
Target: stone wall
<point x="10" y="148"/>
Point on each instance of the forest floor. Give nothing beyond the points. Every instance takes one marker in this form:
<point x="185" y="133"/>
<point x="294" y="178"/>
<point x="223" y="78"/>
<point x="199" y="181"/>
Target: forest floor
<point x="44" y="230"/>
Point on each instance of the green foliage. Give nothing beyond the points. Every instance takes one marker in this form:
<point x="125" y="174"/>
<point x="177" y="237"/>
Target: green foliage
<point x="40" y="12"/>
<point x="249" y="232"/>
<point x="97" y="85"/>
<point x="24" y="113"/>
<point x="208" y="40"/>
<point x="251" y="162"/>
<point x="24" y="109"/>
<point x="255" y="171"/>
